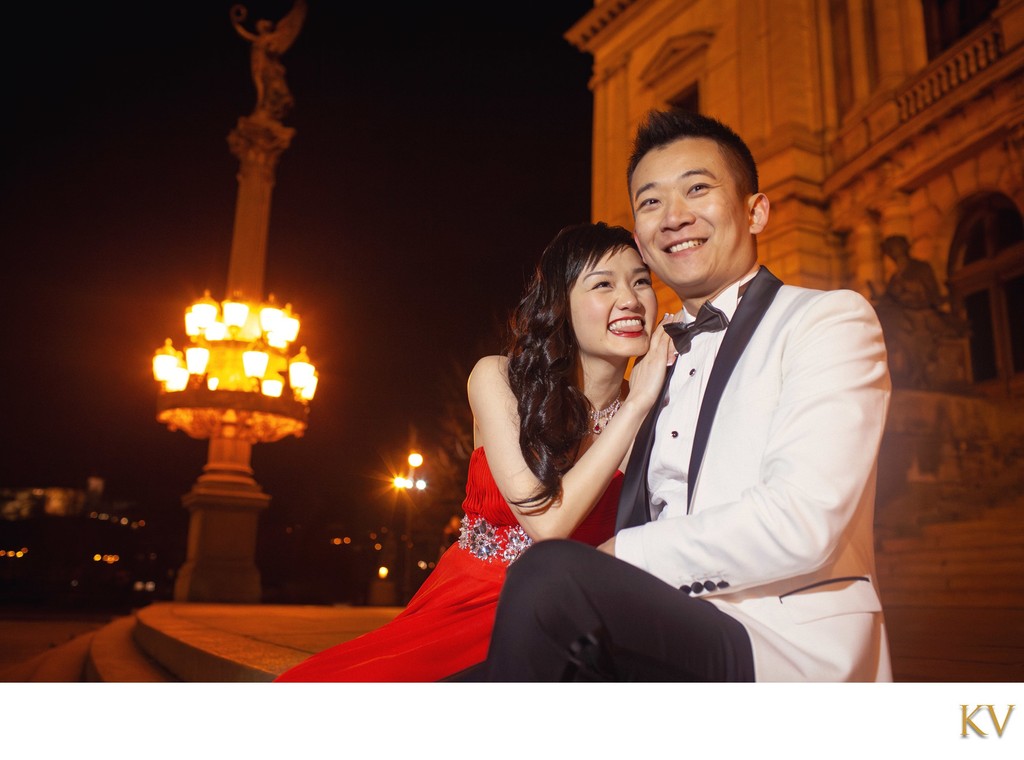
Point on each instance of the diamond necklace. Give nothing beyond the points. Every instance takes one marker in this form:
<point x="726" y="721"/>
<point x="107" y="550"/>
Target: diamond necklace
<point x="601" y="418"/>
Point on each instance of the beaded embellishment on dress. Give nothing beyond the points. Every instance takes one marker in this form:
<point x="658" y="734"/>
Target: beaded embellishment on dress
<point x="500" y="543"/>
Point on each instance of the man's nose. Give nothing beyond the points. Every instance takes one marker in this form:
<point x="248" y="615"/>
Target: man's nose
<point x="677" y="212"/>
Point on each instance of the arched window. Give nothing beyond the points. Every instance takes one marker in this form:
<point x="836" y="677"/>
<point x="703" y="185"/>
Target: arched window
<point x="986" y="283"/>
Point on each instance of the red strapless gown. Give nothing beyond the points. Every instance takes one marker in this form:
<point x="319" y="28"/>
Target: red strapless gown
<point x="447" y="625"/>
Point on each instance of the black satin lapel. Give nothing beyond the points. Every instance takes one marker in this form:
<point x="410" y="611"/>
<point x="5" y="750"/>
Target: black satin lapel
<point x="751" y="309"/>
<point x="633" y="506"/>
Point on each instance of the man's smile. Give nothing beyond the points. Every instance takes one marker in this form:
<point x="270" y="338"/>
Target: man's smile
<point x="686" y="244"/>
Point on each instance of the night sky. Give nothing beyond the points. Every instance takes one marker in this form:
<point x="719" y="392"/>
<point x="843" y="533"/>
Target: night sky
<point x="438" y="147"/>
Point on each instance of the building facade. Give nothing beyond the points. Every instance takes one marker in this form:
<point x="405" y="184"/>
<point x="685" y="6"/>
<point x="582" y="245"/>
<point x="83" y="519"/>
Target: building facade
<point x="889" y="135"/>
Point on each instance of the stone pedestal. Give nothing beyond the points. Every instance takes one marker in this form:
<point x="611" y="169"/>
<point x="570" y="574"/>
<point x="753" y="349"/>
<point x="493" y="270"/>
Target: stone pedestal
<point x="938" y="453"/>
<point x="225" y="505"/>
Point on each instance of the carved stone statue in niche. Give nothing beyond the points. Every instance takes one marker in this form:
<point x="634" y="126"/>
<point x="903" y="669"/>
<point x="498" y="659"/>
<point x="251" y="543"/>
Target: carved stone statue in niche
<point x="919" y="329"/>
<point x="269" y="43"/>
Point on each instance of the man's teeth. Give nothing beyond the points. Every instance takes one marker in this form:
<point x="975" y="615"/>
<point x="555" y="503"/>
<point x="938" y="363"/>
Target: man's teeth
<point x="683" y="246"/>
<point x="626" y="325"/>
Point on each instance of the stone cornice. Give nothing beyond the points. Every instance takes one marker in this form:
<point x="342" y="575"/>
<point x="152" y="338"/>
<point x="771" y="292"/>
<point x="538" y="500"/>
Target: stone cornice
<point x="596" y="21"/>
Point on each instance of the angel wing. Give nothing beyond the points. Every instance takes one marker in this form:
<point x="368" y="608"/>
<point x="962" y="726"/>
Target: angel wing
<point x="287" y="29"/>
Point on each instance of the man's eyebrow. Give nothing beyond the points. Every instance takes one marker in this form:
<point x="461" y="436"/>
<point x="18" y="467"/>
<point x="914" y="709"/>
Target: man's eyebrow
<point x="688" y="173"/>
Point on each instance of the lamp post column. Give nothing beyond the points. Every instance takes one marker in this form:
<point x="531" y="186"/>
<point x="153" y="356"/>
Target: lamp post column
<point x="224" y="507"/>
<point x="225" y="503"/>
<point x="414" y="485"/>
<point x="258" y="144"/>
<point x="235" y="408"/>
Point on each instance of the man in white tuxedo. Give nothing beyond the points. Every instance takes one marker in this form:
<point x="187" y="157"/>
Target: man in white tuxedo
<point x="744" y="545"/>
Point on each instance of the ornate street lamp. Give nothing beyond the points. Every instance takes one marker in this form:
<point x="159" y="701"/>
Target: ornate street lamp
<point x="239" y="380"/>
<point x="240" y="360"/>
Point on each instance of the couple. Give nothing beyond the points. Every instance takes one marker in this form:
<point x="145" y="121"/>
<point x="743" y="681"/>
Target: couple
<point x="742" y="545"/>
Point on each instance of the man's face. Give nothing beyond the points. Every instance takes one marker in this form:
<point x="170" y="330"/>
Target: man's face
<point x="694" y="228"/>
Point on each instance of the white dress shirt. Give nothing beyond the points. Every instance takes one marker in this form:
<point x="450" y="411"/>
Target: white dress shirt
<point x="673" y="440"/>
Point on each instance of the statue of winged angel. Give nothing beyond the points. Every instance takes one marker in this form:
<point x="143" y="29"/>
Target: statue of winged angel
<point x="269" y="42"/>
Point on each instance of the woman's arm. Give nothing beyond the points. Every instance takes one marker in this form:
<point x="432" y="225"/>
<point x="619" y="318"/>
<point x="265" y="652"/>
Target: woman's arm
<point x="497" y="429"/>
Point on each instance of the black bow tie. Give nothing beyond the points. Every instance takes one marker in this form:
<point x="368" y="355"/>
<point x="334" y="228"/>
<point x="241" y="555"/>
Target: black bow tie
<point x="709" y="319"/>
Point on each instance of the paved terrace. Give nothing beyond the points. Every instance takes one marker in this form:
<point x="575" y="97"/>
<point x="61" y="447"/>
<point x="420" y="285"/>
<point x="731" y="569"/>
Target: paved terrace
<point x="253" y="643"/>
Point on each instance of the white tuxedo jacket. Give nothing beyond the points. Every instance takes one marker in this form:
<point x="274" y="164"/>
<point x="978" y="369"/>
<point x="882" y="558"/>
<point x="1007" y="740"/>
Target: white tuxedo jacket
<point x="779" y="529"/>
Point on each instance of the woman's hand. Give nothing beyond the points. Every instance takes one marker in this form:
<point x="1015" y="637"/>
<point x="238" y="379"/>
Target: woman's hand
<point x="649" y="370"/>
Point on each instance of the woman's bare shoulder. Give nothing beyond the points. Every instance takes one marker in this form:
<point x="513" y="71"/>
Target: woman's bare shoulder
<point x="489" y="369"/>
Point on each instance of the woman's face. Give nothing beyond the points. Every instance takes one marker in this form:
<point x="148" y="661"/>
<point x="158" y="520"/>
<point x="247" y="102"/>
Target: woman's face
<point x="613" y="306"/>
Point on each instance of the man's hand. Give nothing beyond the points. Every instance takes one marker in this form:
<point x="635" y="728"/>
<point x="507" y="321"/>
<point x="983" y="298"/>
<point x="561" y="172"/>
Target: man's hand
<point x="608" y="547"/>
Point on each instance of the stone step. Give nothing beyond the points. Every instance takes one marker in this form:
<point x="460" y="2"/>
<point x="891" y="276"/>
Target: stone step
<point x="1006" y="514"/>
<point x="987" y="525"/>
<point x="965" y="582"/>
<point x="919" y="597"/>
<point x="955" y="644"/>
<point x="955" y="536"/>
<point x="981" y="552"/>
<point x="64" y="663"/>
<point x="230" y="643"/>
<point x="114" y="656"/>
<point x="1003" y="562"/>
<point x="192" y="653"/>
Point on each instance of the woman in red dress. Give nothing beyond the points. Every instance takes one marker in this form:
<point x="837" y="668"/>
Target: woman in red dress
<point x="556" y="419"/>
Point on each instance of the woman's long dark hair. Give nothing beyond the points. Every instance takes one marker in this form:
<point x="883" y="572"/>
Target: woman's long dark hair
<point x="542" y="355"/>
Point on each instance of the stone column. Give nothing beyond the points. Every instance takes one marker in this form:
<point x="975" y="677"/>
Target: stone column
<point x="224" y="507"/>
<point x="258" y="144"/>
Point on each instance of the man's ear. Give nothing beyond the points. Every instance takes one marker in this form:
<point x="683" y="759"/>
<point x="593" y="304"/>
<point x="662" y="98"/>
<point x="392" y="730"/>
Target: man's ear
<point x="639" y="248"/>
<point x="757" y="210"/>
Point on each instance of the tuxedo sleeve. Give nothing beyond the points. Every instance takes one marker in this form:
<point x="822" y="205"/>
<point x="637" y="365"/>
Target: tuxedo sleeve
<point x="815" y="402"/>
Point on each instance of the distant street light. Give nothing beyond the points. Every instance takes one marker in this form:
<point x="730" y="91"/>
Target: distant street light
<point x="409" y="482"/>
